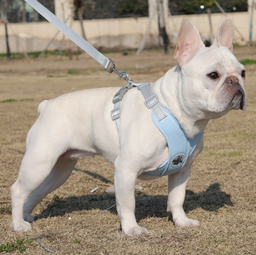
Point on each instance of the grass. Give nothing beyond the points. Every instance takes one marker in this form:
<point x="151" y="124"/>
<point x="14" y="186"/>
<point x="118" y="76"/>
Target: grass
<point x="73" y="71"/>
<point x="5" y="211"/>
<point x="8" y="101"/>
<point x="19" y="245"/>
<point x="235" y="154"/>
<point x="35" y="54"/>
<point x="220" y="193"/>
<point x="11" y="100"/>
<point x="55" y="76"/>
<point x="76" y="241"/>
<point x="248" y="61"/>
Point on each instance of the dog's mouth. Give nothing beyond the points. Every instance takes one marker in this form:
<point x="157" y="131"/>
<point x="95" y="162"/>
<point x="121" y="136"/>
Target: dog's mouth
<point x="233" y="87"/>
<point x="238" y="100"/>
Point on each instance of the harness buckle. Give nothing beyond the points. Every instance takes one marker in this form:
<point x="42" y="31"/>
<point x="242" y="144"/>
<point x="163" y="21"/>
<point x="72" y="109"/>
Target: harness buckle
<point x="115" y="114"/>
<point x="151" y="101"/>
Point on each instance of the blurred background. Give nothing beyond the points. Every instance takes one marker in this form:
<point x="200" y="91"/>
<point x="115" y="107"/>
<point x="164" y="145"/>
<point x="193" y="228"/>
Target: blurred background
<point x="119" y="24"/>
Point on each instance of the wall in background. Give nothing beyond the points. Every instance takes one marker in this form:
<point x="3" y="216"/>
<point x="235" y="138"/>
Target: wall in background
<point x="123" y="33"/>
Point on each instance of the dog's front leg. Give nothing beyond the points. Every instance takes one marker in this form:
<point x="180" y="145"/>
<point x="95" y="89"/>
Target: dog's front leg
<point x="177" y="190"/>
<point x="125" y="180"/>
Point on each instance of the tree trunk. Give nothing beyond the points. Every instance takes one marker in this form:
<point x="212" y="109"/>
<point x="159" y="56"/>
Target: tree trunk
<point x="4" y="11"/>
<point x="80" y="14"/>
<point x="8" y="52"/>
<point x="162" y="27"/>
<point x="210" y="23"/>
<point x="24" y="19"/>
<point x="251" y="21"/>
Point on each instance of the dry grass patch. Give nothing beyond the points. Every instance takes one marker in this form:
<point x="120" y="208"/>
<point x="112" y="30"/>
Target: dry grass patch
<point x="220" y="193"/>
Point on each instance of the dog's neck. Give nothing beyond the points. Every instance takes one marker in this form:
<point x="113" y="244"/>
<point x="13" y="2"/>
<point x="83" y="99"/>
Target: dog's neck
<point x="168" y="89"/>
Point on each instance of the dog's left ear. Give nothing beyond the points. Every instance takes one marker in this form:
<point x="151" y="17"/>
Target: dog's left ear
<point x="188" y="42"/>
<point x="225" y="34"/>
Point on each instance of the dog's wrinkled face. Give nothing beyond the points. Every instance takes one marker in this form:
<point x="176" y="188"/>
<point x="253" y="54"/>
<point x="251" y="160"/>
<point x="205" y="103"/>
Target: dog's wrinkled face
<point x="212" y="78"/>
<point x="216" y="81"/>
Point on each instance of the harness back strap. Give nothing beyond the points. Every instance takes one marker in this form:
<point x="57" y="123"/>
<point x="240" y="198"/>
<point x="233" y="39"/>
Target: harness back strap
<point x="151" y="101"/>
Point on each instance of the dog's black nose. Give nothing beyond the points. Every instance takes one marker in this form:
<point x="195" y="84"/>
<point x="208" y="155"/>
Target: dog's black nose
<point x="233" y="80"/>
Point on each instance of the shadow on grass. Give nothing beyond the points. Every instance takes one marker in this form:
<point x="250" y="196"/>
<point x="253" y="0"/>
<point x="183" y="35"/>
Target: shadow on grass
<point x="94" y="175"/>
<point x="146" y="205"/>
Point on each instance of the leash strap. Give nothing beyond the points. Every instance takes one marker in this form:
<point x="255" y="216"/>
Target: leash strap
<point x="151" y="101"/>
<point x="107" y="63"/>
<point x="72" y="35"/>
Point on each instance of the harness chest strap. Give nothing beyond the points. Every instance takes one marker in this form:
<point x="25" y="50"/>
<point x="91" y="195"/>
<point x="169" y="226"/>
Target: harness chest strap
<point x="179" y="146"/>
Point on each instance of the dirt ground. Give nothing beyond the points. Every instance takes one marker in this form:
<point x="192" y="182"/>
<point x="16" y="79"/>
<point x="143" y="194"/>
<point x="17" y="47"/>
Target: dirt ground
<point x="221" y="192"/>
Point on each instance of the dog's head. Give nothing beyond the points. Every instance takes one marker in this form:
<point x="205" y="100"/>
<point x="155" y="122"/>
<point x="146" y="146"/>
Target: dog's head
<point x="212" y="79"/>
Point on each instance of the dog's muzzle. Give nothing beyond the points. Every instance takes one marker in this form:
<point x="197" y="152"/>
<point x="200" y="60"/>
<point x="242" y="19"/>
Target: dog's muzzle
<point x="239" y="95"/>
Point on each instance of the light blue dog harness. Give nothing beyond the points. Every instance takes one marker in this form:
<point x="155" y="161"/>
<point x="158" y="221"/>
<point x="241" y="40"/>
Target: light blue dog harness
<point x="179" y="146"/>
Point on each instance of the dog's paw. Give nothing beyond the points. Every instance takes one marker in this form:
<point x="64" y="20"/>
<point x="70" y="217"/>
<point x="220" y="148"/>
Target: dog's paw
<point x="187" y="222"/>
<point x="135" y="231"/>
<point x="21" y="226"/>
<point x="28" y="217"/>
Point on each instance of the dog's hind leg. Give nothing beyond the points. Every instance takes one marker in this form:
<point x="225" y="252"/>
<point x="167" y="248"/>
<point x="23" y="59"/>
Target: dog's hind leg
<point x="35" y="167"/>
<point x="59" y="174"/>
<point x="38" y="162"/>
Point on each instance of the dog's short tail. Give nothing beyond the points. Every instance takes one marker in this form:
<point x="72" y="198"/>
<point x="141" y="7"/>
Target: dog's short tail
<point x="41" y="106"/>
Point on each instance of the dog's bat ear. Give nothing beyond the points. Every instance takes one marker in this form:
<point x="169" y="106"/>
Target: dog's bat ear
<point x="225" y="34"/>
<point x="188" y="42"/>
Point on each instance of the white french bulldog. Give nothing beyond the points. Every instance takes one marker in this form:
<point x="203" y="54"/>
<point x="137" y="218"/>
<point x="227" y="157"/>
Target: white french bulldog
<point x="205" y="84"/>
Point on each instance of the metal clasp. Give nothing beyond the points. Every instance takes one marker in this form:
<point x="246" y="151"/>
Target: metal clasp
<point x="110" y="69"/>
<point x="122" y="75"/>
<point x="120" y="94"/>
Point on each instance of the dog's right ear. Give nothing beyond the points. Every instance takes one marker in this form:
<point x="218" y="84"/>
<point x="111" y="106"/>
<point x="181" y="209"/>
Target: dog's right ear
<point x="188" y="42"/>
<point x="225" y="34"/>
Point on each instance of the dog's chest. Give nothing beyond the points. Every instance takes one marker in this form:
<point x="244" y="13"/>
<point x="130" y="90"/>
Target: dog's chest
<point x="179" y="146"/>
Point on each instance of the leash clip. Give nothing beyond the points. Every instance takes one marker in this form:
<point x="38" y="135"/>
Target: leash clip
<point x="111" y="69"/>
<point x="121" y="92"/>
<point x="122" y="75"/>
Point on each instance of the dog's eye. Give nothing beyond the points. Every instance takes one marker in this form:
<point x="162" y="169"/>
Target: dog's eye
<point x="213" y="75"/>
<point x="243" y="73"/>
